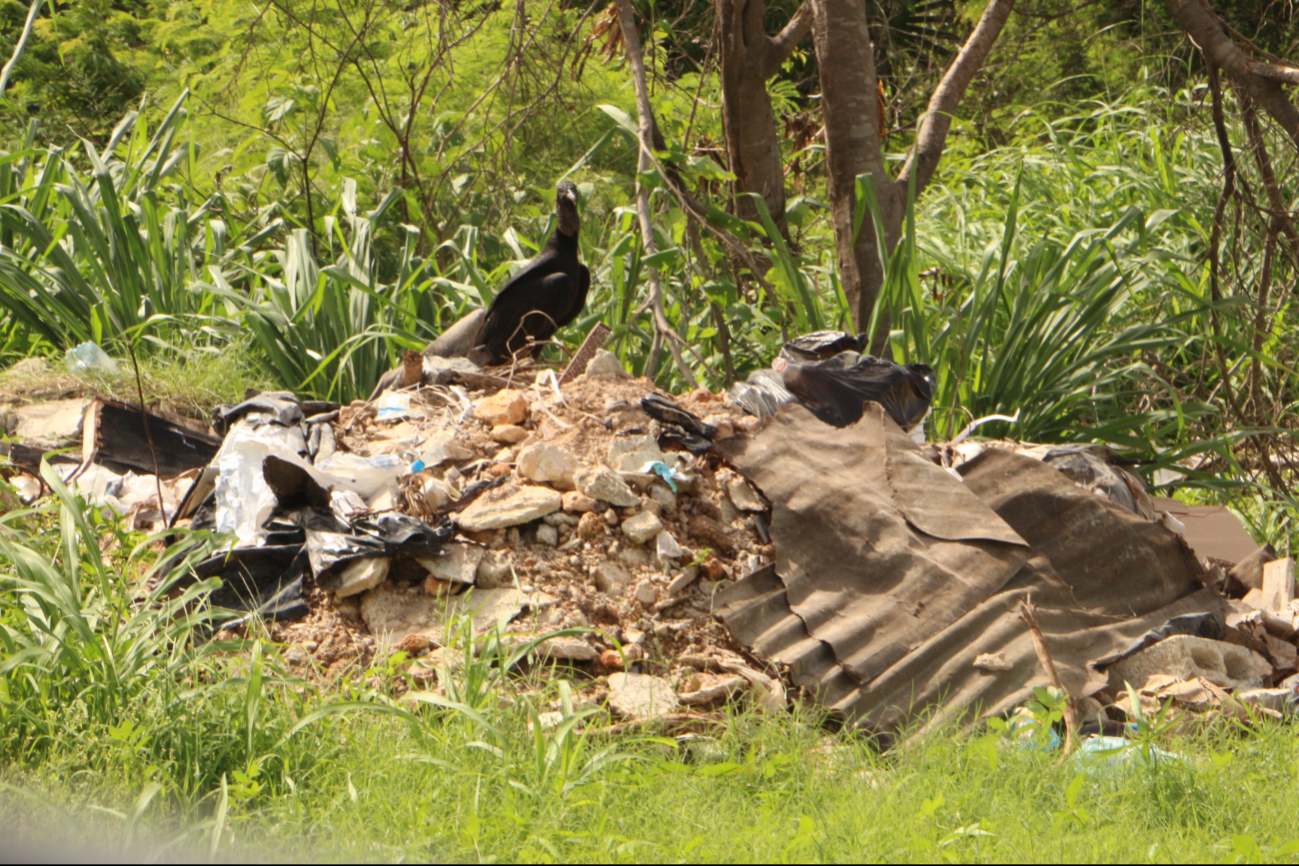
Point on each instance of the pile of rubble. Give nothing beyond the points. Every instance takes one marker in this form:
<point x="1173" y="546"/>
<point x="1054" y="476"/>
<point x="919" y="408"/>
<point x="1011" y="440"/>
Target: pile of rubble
<point x="692" y="553"/>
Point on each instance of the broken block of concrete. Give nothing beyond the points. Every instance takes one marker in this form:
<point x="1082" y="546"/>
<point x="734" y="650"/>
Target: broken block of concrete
<point x="392" y="615"/>
<point x="504" y="407"/>
<point x="577" y="501"/>
<point x="742" y="495"/>
<point x="666" y="547"/>
<point x="633" y="453"/>
<point x="458" y="563"/>
<point x="495" y="570"/>
<point x="509" y="506"/>
<point x="1185" y="657"/>
<point x="642" y="527"/>
<point x="1278" y="585"/>
<point x="361" y="575"/>
<point x="611" y="578"/>
<point x="606" y="486"/>
<point x="508" y="434"/>
<point x="547" y="464"/>
<point x="640" y="696"/>
<point x="605" y="366"/>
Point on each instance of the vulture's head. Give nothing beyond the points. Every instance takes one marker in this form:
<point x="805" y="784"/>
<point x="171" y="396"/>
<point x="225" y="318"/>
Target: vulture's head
<point x="566" y="207"/>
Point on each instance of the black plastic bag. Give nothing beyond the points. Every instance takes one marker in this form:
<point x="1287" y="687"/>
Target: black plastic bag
<point x="826" y="372"/>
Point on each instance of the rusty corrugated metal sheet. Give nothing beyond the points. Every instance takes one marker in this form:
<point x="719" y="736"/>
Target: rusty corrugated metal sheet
<point x="892" y="575"/>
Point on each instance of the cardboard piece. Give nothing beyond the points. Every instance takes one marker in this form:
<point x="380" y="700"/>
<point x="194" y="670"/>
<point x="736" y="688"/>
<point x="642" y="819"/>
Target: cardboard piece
<point x="1212" y="531"/>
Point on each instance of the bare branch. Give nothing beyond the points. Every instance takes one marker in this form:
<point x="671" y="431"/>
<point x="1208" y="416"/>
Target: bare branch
<point x="932" y="137"/>
<point x="1200" y="24"/>
<point x="783" y="43"/>
<point x="645" y="115"/>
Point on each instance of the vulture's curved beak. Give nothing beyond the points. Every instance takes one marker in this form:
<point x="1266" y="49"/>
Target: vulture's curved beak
<point x="571" y="195"/>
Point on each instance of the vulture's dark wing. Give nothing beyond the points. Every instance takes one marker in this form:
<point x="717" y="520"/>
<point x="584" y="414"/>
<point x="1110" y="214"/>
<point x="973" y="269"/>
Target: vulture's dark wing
<point x="526" y="309"/>
<point x="577" y="300"/>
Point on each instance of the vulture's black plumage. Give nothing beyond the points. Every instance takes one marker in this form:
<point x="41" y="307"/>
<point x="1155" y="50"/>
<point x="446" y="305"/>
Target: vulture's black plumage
<point x="544" y="296"/>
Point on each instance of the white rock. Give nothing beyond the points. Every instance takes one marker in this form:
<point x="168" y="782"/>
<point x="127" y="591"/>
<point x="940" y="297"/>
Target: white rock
<point x="458" y="564"/>
<point x="509" y="506"/>
<point x="633" y="453"/>
<point x="606" y="486"/>
<point x="504" y="407"/>
<point x="566" y="649"/>
<point x="362" y="575"/>
<point x="637" y="696"/>
<point x="992" y="662"/>
<point x="743" y="495"/>
<point x="683" y="580"/>
<point x="642" y="527"/>
<point x="391" y="616"/>
<point x="647" y="594"/>
<point x="509" y="434"/>
<point x="548" y="464"/>
<point x="605" y="366"/>
<point x="547" y="534"/>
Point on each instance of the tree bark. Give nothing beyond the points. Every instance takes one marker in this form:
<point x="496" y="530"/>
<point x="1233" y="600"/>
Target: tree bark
<point x="749" y="58"/>
<point x="1260" y="80"/>
<point x="854" y="140"/>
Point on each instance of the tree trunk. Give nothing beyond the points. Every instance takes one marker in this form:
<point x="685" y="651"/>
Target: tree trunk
<point x="854" y="141"/>
<point x="853" y="147"/>
<point x="749" y="58"/>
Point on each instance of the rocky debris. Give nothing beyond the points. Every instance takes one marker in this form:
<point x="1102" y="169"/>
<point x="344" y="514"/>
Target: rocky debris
<point x="713" y="533"/>
<point x="362" y="575"/>
<point x="741" y="492"/>
<point x="590" y="525"/>
<point x="707" y="690"/>
<point x="508" y="505"/>
<point x="53" y="424"/>
<point x="606" y="486"/>
<point x="576" y="501"/>
<point x="495" y="570"/>
<point x="507" y="407"/>
<point x="389" y="613"/>
<point x="508" y="434"/>
<point x="639" y="696"/>
<point x="547" y="464"/>
<point x="642" y="527"/>
<point x="611" y="579"/>
<point x="992" y="662"/>
<point x="605" y="365"/>
<point x="1186" y="657"/>
<point x="458" y="563"/>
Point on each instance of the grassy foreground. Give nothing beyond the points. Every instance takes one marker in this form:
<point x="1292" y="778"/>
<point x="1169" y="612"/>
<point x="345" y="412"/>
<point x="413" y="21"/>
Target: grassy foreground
<point x="775" y="790"/>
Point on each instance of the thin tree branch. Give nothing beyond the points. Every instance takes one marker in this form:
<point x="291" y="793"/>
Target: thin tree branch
<point x="780" y="46"/>
<point x="932" y="137"/>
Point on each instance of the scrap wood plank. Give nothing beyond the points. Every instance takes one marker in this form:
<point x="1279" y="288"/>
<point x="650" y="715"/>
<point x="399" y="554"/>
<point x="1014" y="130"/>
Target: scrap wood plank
<point x="115" y="435"/>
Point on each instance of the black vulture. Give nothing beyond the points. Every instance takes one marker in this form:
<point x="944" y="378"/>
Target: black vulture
<point x="544" y="296"/>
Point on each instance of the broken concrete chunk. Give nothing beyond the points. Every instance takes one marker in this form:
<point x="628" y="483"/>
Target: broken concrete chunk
<point x="547" y="535"/>
<point x="742" y="494"/>
<point x="504" y="407"/>
<point x="633" y="453"/>
<point x="566" y="649"/>
<point x="508" y="434"/>
<point x="577" y="501"/>
<point x="639" y="696"/>
<point x="683" y="580"/>
<point x="666" y="499"/>
<point x="392" y="615"/>
<point x="436" y="492"/>
<point x="647" y="594"/>
<point x="458" y="564"/>
<point x="993" y="662"/>
<point x="606" y="486"/>
<point x="547" y="464"/>
<point x="642" y="527"/>
<point x="611" y="579"/>
<point x="768" y="692"/>
<point x="1185" y="657"/>
<point x="495" y="570"/>
<point x="508" y="505"/>
<point x="605" y="366"/>
<point x="362" y="575"/>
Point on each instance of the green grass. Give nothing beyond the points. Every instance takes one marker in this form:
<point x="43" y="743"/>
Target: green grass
<point x="777" y="789"/>
<point x="123" y="735"/>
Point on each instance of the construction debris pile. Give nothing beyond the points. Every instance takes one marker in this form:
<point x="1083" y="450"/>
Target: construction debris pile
<point x="704" y="548"/>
